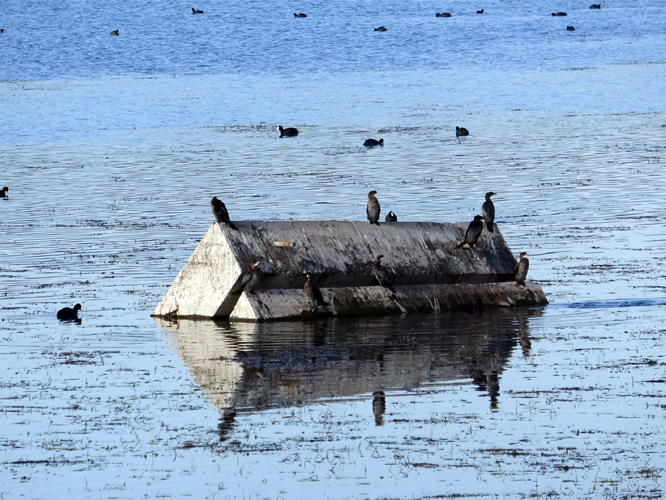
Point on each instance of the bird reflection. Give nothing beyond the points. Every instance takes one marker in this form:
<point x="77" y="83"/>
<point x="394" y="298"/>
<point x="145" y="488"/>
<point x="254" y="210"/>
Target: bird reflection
<point x="227" y="424"/>
<point x="379" y="407"/>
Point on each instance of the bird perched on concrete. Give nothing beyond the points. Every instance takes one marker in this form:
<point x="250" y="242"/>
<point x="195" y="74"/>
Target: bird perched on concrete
<point x="249" y="281"/>
<point x="220" y="213"/>
<point x="69" y="313"/>
<point x="522" y="267"/>
<point x="382" y="275"/>
<point x="287" y="132"/>
<point x="391" y="217"/>
<point x="115" y="32"/>
<point x="473" y="232"/>
<point x="196" y="11"/>
<point x="461" y="132"/>
<point x="3" y="192"/>
<point x="313" y="293"/>
<point x="488" y="211"/>
<point x="373" y="142"/>
<point x="373" y="209"/>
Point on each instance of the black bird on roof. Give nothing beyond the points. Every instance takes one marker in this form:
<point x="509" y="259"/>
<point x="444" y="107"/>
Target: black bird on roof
<point x="373" y="208"/>
<point x="287" y="132"/>
<point x="220" y="213"/>
<point x="382" y="275"/>
<point x="473" y="232"/>
<point x="69" y="313"/>
<point x="313" y="293"/>
<point x="488" y="211"/>
<point x="521" y="269"/>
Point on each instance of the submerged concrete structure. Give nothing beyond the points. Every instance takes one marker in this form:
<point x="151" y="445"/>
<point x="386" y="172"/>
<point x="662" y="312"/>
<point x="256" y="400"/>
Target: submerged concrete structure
<point x="428" y="269"/>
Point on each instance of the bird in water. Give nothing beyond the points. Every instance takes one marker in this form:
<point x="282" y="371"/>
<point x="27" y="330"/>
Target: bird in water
<point x="3" y="192"/>
<point x="571" y="28"/>
<point x="372" y="142"/>
<point x="220" y="213"/>
<point x="2" y="30"/>
<point x="461" y="132"/>
<point x="479" y="11"/>
<point x="522" y="267"/>
<point x="488" y="211"/>
<point x="115" y="32"/>
<point x="313" y="293"/>
<point x="443" y="14"/>
<point x="391" y="217"/>
<point x="373" y="209"/>
<point x="301" y="14"/>
<point x="473" y="232"/>
<point x="381" y="275"/>
<point x="196" y="11"/>
<point x="69" y="313"/>
<point x="559" y="14"/>
<point x="595" y="6"/>
<point x="381" y="28"/>
<point x="287" y="132"/>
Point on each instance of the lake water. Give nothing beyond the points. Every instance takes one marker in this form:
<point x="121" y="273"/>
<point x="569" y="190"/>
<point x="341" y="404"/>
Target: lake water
<point x="112" y="147"/>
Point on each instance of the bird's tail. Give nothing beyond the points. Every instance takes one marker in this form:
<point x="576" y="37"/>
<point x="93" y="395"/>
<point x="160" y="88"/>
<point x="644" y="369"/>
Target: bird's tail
<point x="233" y="226"/>
<point x="489" y="225"/>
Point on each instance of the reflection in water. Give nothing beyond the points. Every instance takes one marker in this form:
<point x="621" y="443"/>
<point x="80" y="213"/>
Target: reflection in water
<point x="249" y="367"/>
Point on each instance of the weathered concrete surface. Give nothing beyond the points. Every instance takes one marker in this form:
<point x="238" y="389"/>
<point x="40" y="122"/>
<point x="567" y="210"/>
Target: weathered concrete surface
<point x="429" y="271"/>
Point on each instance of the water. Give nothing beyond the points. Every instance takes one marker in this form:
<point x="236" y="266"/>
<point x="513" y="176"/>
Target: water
<point x="112" y="147"/>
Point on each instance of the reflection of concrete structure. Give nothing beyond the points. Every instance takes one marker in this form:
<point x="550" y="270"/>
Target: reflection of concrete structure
<point x="429" y="271"/>
<point x="254" y="366"/>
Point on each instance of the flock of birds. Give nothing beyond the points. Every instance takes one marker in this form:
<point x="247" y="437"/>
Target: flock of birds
<point x="383" y="28"/>
<point x="250" y="280"/>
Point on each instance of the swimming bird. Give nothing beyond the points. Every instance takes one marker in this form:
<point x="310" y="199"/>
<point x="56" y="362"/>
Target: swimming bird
<point x="372" y="142"/>
<point x="287" y="132"/>
<point x="443" y="14"/>
<point x="461" y="132"/>
<point x="488" y="211"/>
<point x="220" y="212"/>
<point x="522" y="267"/>
<point x="595" y="6"/>
<point x="3" y="192"/>
<point x="69" y="313"/>
<point x="313" y="293"/>
<point x="473" y="232"/>
<point x="381" y="275"/>
<point x="115" y="32"/>
<point x="559" y="14"/>
<point x="571" y="28"/>
<point x="196" y="11"/>
<point x="381" y="28"/>
<point x="300" y="15"/>
<point x="479" y="11"/>
<point x="2" y="30"/>
<point x="373" y="209"/>
<point x="391" y="217"/>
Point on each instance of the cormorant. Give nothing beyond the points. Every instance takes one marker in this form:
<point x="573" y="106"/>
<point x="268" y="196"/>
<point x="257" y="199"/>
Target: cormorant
<point x="69" y="313"/>
<point x="571" y="28"/>
<point x="382" y="276"/>
<point x="391" y="217"/>
<point x="115" y="32"/>
<point x="287" y="132"/>
<point x="559" y="14"/>
<point x="381" y="28"/>
<point x="461" y="132"/>
<point x="373" y="142"/>
<point x="196" y="11"/>
<point x="249" y="281"/>
<point x="313" y="293"/>
<point x="220" y="213"/>
<point x="595" y="6"/>
<point x="488" y="211"/>
<point x="3" y="192"/>
<point x="443" y="14"/>
<point x="479" y="11"/>
<point x="300" y="15"/>
<point x="373" y="209"/>
<point x="522" y="267"/>
<point x="473" y="232"/>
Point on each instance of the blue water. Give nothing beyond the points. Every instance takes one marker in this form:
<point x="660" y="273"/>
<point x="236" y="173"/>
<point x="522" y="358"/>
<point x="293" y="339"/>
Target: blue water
<point x="112" y="147"/>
